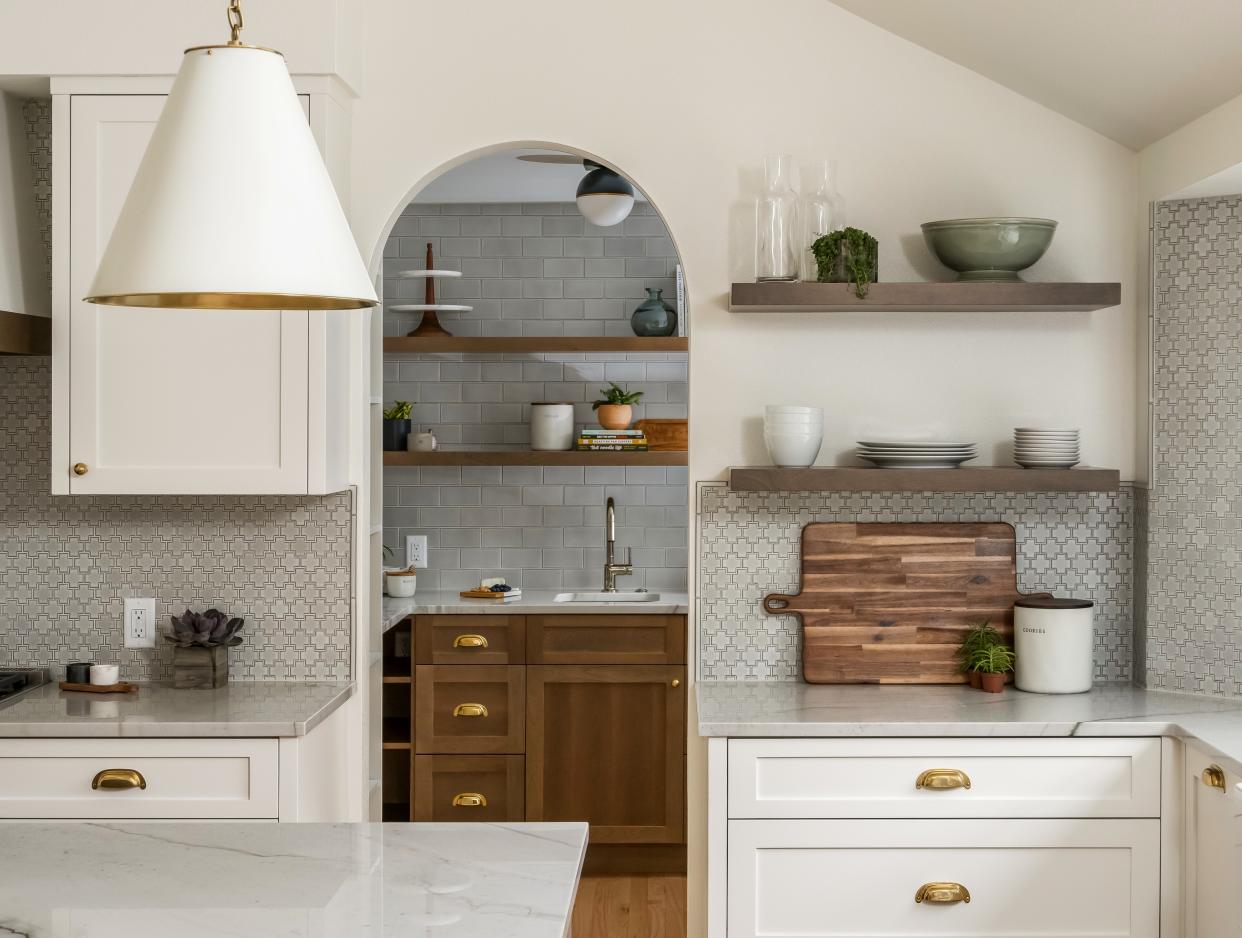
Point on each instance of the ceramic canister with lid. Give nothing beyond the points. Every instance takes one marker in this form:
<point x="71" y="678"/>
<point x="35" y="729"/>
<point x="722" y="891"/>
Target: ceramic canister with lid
<point x="551" y="426"/>
<point x="1053" y="641"/>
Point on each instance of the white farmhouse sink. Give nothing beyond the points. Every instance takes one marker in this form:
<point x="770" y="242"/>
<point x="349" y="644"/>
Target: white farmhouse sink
<point x="606" y="597"/>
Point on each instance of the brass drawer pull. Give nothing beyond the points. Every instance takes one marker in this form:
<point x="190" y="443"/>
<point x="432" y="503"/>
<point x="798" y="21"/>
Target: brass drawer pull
<point x="942" y="780"/>
<point x="470" y="641"/>
<point x="942" y="893"/>
<point x="118" y="779"/>
<point x="79" y="469"/>
<point x="470" y="710"/>
<point x="1213" y="777"/>
<point x="469" y="799"/>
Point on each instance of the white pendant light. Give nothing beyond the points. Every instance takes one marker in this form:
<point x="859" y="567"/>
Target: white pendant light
<point x="604" y="197"/>
<point x="232" y="206"/>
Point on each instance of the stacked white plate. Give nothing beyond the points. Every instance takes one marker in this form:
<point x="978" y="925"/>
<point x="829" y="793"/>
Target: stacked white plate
<point x="793" y="434"/>
<point x="916" y="454"/>
<point x="1045" y="448"/>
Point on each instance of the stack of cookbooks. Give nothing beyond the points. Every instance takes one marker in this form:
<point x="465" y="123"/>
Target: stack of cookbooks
<point x="599" y="440"/>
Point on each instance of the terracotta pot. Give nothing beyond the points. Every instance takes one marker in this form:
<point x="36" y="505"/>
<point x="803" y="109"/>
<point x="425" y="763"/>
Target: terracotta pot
<point x="976" y="679"/>
<point x="993" y="683"/>
<point x="615" y="416"/>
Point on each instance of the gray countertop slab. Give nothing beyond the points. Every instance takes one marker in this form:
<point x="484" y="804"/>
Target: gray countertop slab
<point x="781" y="709"/>
<point x="532" y="602"/>
<point x="240" y="709"/>
<point x="259" y="880"/>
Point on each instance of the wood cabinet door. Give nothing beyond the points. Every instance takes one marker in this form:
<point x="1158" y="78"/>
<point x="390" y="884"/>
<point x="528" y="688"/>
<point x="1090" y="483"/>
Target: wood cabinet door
<point x="605" y="744"/>
<point x="469" y="708"/>
<point x="468" y="788"/>
<point x="163" y="401"/>
<point x="610" y="638"/>
<point x="467" y="639"/>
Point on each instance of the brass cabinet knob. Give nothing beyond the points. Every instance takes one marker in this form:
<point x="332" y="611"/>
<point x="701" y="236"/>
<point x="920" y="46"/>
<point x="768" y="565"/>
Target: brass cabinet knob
<point x="118" y="779"/>
<point x="942" y="779"/>
<point x="79" y="469"/>
<point x="942" y="893"/>
<point x="470" y="641"/>
<point x="470" y="710"/>
<point x="1213" y="777"/>
<point x="676" y="683"/>
<point x="470" y="799"/>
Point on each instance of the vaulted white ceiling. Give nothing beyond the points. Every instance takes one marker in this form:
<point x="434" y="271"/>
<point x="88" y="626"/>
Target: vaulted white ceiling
<point x="1134" y="70"/>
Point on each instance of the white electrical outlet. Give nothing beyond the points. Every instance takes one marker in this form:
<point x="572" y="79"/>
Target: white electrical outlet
<point x="139" y="623"/>
<point x="416" y="549"/>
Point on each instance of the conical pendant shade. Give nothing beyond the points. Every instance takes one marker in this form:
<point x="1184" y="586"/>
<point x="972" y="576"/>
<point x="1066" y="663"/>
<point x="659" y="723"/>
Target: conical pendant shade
<point x="232" y="206"/>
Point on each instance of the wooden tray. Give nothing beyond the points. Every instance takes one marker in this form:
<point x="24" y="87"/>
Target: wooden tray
<point x="487" y="594"/>
<point x="890" y="603"/>
<point x="123" y="687"/>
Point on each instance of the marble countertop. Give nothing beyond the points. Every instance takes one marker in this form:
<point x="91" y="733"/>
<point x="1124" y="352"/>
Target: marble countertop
<point x="253" y="709"/>
<point x="792" y="708"/>
<point x="532" y="602"/>
<point x="262" y="880"/>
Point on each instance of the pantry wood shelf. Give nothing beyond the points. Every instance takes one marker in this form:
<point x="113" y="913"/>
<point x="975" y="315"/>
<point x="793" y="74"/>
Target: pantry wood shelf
<point x="529" y="344"/>
<point x="798" y="297"/>
<point x="972" y="479"/>
<point x="530" y="458"/>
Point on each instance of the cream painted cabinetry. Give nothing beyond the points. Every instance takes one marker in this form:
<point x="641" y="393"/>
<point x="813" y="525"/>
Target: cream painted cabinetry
<point x="1213" y="855"/>
<point x="177" y="401"/>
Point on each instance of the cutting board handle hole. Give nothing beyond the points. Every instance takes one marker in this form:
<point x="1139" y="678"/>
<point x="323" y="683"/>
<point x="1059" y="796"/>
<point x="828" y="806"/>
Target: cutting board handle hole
<point x="776" y="603"/>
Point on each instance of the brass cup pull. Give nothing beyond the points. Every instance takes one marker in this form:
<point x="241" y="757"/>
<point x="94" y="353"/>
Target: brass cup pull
<point x="942" y="893"/>
<point x="470" y="641"/>
<point x="1213" y="777"/>
<point x="470" y="799"/>
<point x="470" y="710"/>
<point x="118" y="779"/>
<point x="79" y="469"/>
<point x="942" y="780"/>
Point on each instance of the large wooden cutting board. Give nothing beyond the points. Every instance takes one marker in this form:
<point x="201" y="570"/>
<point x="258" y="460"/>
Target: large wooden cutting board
<point x="890" y="603"/>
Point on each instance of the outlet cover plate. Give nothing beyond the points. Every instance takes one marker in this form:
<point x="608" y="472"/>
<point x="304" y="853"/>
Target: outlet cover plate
<point x="416" y="549"/>
<point x="139" y="622"/>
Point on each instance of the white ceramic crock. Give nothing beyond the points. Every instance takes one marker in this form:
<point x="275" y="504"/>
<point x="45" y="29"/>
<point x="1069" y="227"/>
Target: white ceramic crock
<point x="1053" y="640"/>
<point x="401" y="584"/>
<point x="551" y="426"/>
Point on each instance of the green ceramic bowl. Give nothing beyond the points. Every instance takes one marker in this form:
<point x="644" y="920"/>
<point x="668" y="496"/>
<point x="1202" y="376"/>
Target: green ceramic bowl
<point x="989" y="248"/>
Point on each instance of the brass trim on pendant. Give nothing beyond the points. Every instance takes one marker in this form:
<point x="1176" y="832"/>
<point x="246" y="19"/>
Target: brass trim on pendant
<point x="251" y="301"/>
<point x="233" y="45"/>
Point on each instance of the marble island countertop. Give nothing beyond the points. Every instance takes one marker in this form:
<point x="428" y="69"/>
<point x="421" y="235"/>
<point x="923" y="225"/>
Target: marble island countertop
<point x="239" y="709"/>
<point x="792" y="708"/>
<point x="531" y="602"/>
<point x="244" y="880"/>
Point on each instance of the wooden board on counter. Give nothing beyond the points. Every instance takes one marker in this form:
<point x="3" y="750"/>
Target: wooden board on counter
<point x="890" y="603"/>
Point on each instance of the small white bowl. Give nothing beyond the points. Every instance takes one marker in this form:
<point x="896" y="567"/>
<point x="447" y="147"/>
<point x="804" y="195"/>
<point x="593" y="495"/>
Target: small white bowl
<point x="789" y="409"/>
<point x="789" y="452"/>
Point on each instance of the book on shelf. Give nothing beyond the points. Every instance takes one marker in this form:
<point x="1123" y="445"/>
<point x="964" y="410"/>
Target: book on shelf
<point x="611" y="447"/>
<point x="600" y="431"/>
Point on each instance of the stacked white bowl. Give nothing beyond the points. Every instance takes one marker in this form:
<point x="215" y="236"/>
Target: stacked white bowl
<point x="1045" y="447"/>
<point x="793" y="434"/>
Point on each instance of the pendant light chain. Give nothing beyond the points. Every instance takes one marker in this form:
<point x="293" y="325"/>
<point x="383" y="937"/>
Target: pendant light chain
<point x="235" y="22"/>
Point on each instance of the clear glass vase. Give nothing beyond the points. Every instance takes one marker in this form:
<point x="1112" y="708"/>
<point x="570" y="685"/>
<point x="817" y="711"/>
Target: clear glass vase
<point x="777" y="246"/>
<point x="822" y="212"/>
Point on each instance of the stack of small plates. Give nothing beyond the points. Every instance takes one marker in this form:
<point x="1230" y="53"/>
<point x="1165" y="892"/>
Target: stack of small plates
<point x="916" y="454"/>
<point x="1042" y="448"/>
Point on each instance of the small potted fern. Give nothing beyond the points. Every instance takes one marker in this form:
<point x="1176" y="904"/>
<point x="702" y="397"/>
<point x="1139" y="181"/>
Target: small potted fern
<point x="615" y="409"/>
<point x="992" y="662"/>
<point x="981" y="636"/>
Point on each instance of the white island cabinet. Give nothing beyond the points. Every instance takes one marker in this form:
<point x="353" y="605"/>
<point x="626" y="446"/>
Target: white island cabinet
<point x="1213" y="855"/>
<point x="154" y="401"/>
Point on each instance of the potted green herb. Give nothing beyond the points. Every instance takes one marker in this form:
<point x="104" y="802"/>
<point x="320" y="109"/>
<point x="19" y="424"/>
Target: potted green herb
<point x="993" y="663"/>
<point x="201" y="652"/>
<point x="981" y="636"/>
<point x="615" y="410"/>
<point x="848" y="256"/>
<point x="397" y="426"/>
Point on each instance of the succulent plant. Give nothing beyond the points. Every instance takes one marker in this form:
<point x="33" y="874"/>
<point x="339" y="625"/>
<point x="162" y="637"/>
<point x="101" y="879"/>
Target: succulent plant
<point x="206" y="629"/>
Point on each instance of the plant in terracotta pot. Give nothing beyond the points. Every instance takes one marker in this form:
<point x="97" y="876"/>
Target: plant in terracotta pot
<point x="615" y="409"/>
<point x="993" y="663"/>
<point x="202" y="641"/>
<point x="981" y="636"/>
<point x="397" y="426"/>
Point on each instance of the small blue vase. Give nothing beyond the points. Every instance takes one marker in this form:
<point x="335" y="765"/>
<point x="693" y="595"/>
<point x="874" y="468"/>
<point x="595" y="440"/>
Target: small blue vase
<point x="654" y="317"/>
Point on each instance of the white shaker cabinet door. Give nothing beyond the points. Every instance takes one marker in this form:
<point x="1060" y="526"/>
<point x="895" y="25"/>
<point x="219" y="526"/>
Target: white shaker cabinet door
<point x="1214" y="858"/>
<point x="165" y="401"/>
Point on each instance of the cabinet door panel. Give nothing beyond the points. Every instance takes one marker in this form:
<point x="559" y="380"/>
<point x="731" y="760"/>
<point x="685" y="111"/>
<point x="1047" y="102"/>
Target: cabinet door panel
<point x="466" y="639"/>
<point x="605" y="745"/>
<point x="469" y="708"/>
<point x="468" y="788"/>
<point x="612" y="638"/>
<point x="1214" y="873"/>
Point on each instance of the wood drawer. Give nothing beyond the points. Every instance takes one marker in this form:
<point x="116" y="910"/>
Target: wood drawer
<point x="1064" y="878"/>
<point x="1014" y="778"/>
<point x="184" y="778"/>
<point x="469" y="708"/>
<point x="461" y="639"/>
<point x="606" y="639"/>
<point x="450" y="788"/>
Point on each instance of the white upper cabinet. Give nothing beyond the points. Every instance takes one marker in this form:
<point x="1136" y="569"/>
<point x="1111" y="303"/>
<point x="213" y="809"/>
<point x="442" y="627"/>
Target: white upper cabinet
<point x="151" y="401"/>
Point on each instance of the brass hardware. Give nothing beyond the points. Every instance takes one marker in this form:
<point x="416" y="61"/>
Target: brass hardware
<point x="470" y="710"/>
<point x="79" y="469"/>
<point x="470" y="641"/>
<point x="676" y="683"/>
<point x="118" y="779"/>
<point x="231" y="300"/>
<point x="942" y="780"/>
<point x="469" y="799"/>
<point x="1213" y="777"/>
<point x="236" y="23"/>
<point x="942" y="893"/>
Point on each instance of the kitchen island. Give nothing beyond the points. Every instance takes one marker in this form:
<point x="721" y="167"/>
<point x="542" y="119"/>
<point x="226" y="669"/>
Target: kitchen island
<point x="338" y="880"/>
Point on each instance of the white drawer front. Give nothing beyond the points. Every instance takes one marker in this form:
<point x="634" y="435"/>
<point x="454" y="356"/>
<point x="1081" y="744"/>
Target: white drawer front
<point x="1009" y="778"/>
<point x="1062" y="878"/>
<point x="185" y="778"/>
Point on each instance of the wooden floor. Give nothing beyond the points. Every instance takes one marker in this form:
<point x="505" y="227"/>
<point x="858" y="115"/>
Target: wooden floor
<point x="630" y="907"/>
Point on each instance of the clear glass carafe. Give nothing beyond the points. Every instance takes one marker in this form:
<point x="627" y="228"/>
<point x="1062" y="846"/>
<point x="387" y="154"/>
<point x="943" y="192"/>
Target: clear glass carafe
<point x="822" y="212"/>
<point x="777" y="246"/>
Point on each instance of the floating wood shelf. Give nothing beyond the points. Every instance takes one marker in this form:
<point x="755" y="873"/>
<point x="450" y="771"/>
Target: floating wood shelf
<point x="532" y="458"/>
<point x="530" y="344"/>
<point x="28" y="335"/>
<point x="973" y="479"/>
<point x="798" y="297"/>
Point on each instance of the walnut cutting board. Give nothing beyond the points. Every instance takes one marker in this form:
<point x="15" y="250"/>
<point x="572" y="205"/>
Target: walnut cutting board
<point x="890" y="603"/>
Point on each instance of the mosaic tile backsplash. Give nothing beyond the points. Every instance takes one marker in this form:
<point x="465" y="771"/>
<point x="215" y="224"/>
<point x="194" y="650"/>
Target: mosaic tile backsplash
<point x="67" y="562"/>
<point x="1193" y="633"/>
<point x="1078" y="545"/>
